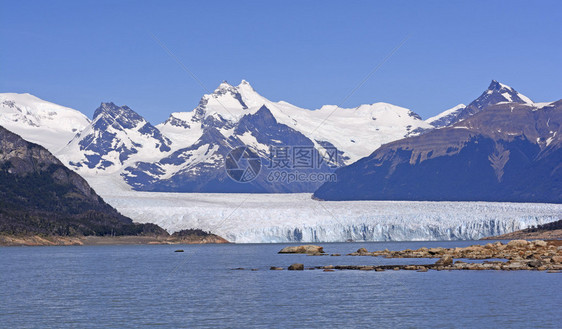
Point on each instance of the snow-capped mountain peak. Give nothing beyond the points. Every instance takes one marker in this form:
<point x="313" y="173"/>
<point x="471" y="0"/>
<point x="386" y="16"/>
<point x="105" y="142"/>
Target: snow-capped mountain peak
<point x="39" y="121"/>
<point x="245" y="87"/>
<point x="225" y="106"/>
<point x="109" y="108"/>
<point x="496" y="93"/>
<point x="228" y="101"/>
<point x="223" y="88"/>
<point x="505" y="91"/>
<point x="120" y="117"/>
<point x="116" y="134"/>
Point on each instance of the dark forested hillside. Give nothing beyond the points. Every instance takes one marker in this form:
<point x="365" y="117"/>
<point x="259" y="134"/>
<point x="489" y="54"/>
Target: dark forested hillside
<point x="39" y="195"/>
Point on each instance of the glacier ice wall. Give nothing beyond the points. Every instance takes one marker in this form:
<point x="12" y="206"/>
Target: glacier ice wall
<point x="263" y="218"/>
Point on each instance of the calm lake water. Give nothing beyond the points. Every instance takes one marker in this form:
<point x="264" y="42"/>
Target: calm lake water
<point x="151" y="286"/>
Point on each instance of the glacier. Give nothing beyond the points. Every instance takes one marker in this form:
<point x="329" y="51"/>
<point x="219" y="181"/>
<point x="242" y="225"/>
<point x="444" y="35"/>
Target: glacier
<point x="272" y="218"/>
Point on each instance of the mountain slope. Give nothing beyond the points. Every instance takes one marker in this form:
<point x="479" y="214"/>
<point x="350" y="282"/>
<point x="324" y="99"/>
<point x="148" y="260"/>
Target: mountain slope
<point x="447" y="117"/>
<point x="39" y="195"/>
<point x="505" y="152"/>
<point x="39" y="121"/>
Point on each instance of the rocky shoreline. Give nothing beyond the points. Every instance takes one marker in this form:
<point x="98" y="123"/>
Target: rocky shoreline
<point x="515" y="255"/>
<point x="37" y="240"/>
<point x="543" y="235"/>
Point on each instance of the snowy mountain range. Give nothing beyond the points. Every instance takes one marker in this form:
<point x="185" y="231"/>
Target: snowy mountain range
<point x="188" y="152"/>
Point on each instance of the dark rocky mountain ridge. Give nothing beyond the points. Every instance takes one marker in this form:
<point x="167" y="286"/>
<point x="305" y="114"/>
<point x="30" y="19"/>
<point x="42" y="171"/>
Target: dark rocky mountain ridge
<point x="496" y="93"/>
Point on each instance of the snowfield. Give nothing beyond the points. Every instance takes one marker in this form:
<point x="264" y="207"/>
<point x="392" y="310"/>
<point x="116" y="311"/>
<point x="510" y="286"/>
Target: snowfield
<point x="265" y="218"/>
<point x="47" y="124"/>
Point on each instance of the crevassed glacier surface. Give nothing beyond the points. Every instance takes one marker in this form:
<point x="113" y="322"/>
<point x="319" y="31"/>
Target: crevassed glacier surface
<point x="259" y="218"/>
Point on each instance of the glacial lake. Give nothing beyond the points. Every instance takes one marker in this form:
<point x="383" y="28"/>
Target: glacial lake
<point x="153" y="286"/>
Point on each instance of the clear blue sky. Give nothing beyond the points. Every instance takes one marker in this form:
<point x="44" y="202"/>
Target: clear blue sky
<point x="309" y="53"/>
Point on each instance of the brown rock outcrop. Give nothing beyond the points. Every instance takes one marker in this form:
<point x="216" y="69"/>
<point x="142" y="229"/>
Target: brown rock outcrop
<point x="304" y="249"/>
<point x="296" y="267"/>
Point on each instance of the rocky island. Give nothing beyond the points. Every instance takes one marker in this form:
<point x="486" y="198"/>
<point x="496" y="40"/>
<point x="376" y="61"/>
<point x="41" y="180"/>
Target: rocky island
<point x="536" y="255"/>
